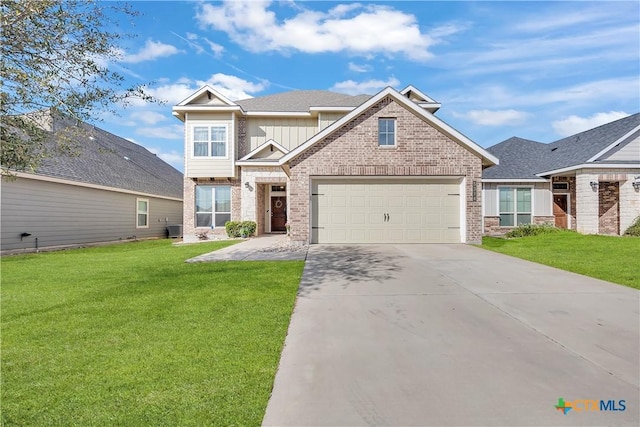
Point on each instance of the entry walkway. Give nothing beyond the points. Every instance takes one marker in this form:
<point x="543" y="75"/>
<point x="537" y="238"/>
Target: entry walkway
<point x="274" y="247"/>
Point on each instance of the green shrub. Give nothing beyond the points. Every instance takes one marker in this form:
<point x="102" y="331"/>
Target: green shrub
<point x="634" y="230"/>
<point x="532" y="230"/>
<point x="238" y="229"/>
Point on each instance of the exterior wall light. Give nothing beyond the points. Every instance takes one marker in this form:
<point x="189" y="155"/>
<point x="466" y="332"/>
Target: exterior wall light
<point x="636" y="183"/>
<point x="594" y="185"/>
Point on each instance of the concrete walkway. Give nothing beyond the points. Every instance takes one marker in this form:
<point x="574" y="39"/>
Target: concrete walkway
<point x="268" y="247"/>
<point x="408" y="335"/>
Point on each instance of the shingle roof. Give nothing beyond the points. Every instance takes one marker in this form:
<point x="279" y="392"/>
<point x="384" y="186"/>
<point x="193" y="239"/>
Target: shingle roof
<point x="523" y="159"/>
<point x="519" y="159"/>
<point x="301" y="101"/>
<point x="103" y="158"/>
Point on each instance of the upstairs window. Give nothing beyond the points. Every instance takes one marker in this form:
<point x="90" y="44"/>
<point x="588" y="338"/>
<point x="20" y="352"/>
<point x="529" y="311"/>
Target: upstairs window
<point x="210" y="141"/>
<point x="386" y="132"/>
<point x="515" y="206"/>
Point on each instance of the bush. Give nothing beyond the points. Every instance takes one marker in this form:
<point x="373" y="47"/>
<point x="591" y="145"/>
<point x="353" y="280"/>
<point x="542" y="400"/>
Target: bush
<point x="532" y="230"/>
<point x="634" y="230"/>
<point x="237" y="228"/>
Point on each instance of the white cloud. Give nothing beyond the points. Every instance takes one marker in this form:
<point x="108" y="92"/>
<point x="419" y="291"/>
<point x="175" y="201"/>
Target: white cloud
<point x="172" y="157"/>
<point x="163" y="132"/>
<point x="233" y="87"/>
<point x="147" y="117"/>
<point x="230" y="86"/>
<point x="575" y="124"/>
<point x="150" y="51"/>
<point x="359" y="68"/>
<point x="495" y="117"/>
<point x="352" y="28"/>
<point x="215" y="47"/>
<point x="351" y="87"/>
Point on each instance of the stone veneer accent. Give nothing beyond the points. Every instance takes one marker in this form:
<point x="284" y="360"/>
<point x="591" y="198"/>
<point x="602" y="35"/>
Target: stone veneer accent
<point x="189" y="205"/>
<point x="253" y="198"/>
<point x="608" y="212"/>
<point x="352" y="150"/>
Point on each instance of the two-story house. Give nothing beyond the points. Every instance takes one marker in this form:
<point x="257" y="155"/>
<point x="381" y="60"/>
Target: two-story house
<point x="332" y="168"/>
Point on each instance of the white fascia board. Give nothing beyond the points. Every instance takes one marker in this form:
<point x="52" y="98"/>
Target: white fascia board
<point x="207" y="88"/>
<point x="612" y="145"/>
<point x="46" y="178"/>
<point x="262" y="147"/>
<point x="592" y="166"/>
<point x="515" y="180"/>
<point x="330" y="109"/>
<point x="206" y="108"/>
<point x="389" y="91"/>
<point x="273" y="163"/>
<point x="424" y="96"/>
<point x="278" y="113"/>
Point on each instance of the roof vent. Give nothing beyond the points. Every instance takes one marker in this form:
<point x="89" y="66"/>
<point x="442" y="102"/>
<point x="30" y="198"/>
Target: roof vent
<point x="554" y="148"/>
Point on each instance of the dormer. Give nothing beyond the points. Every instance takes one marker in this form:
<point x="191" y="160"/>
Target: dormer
<point x="206" y="99"/>
<point x="421" y="99"/>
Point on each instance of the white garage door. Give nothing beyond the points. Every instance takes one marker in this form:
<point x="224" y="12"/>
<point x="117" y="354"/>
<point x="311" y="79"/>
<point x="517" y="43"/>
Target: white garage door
<point x="402" y="211"/>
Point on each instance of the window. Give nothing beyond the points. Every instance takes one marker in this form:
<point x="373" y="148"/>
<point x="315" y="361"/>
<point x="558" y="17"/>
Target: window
<point x="142" y="213"/>
<point x="561" y="186"/>
<point x="515" y="206"/>
<point x="210" y="141"/>
<point x="213" y="205"/>
<point x="386" y="132"/>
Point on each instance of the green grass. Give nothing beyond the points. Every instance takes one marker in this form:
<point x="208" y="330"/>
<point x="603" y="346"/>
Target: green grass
<point x="131" y="335"/>
<point x="604" y="257"/>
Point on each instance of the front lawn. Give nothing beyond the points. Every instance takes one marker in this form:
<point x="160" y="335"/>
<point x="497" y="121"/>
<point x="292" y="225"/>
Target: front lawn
<point x="131" y="335"/>
<point x="611" y="258"/>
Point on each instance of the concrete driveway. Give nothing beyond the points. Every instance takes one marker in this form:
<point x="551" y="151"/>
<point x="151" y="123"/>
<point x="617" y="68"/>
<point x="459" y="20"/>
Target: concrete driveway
<point x="453" y="335"/>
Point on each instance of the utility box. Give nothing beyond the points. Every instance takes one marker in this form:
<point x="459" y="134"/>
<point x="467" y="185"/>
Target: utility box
<point x="174" y="231"/>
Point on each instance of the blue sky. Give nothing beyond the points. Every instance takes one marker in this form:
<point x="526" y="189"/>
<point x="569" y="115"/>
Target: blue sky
<point x="538" y="70"/>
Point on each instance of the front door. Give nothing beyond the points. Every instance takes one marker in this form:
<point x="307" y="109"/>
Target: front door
<point x="278" y="213"/>
<point x="560" y="210"/>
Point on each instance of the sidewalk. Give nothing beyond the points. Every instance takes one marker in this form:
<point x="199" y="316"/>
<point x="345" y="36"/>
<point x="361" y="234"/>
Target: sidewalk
<point x="270" y="247"/>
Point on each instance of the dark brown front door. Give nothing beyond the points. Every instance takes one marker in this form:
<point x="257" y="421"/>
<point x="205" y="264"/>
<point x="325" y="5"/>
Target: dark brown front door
<point x="278" y="213"/>
<point x="560" y="210"/>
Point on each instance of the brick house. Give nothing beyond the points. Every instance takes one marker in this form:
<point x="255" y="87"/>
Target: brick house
<point x="588" y="182"/>
<point x="331" y="168"/>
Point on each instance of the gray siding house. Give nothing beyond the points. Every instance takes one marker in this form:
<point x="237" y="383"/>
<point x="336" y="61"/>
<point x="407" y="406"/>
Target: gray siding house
<point x="109" y="189"/>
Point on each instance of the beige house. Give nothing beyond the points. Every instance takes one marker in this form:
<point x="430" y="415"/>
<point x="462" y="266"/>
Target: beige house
<point x="588" y="182"/>
<point x="331" y="168"/>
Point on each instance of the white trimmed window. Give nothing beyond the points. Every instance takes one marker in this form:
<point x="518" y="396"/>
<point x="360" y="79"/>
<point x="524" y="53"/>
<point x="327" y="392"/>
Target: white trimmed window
<point x="210" y="141"/>
<point x="515" y="206"/>
<point x="213" y="205"/>
<point x="386" y="132"/>
<point x="142" y="213"/>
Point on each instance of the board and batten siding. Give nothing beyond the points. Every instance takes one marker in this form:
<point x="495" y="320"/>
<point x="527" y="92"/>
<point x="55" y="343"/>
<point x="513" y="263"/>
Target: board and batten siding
<point x="628" y="152"/>
<point x="326" y="119"/>
<point x="287" y="132"/>
<point x="61" y="214"/>
<point x="197" y="167"/>
<point x="541" y="197"/>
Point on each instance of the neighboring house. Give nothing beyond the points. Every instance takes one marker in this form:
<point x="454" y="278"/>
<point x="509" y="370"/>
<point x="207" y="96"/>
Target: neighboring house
<point x="589" y="182"/>
<point x="109" y="189"/>
<point x="332" y="168"/>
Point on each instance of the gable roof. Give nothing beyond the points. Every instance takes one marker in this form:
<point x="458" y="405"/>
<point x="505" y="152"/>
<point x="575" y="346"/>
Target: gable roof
<point x="519" y="159"/>
<point x="487" y="158"/>
<point x="104" y="159"/>
<point x="525" y="159"/>
<point x="301" y="101"/>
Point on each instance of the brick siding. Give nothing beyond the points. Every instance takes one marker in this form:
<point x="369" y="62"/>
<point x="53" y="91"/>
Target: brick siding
<point x="353" y="150"/>
<point x="608" y="212"/>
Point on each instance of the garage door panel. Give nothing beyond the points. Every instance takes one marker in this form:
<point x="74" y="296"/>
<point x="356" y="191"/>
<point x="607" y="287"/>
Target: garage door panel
<point x="386" y="212"/>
